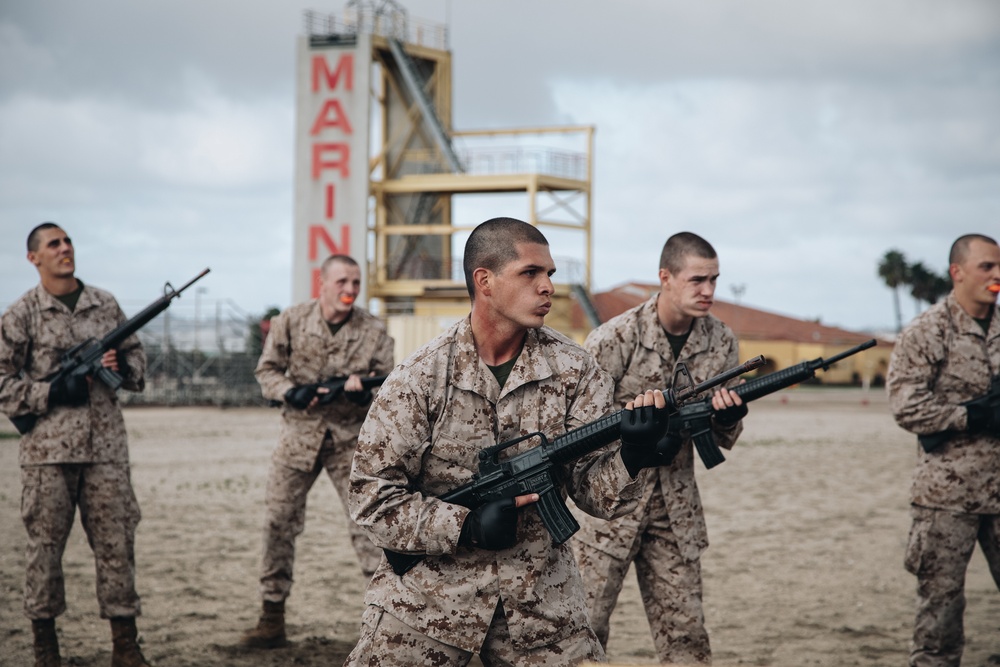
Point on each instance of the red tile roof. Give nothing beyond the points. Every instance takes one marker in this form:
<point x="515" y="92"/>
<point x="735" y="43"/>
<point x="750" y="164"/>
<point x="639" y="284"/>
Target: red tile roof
<point x="748" y="323"/>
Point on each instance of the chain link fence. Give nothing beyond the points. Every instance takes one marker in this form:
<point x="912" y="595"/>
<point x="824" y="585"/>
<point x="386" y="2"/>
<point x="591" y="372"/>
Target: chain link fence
<point x="201" y="359"/>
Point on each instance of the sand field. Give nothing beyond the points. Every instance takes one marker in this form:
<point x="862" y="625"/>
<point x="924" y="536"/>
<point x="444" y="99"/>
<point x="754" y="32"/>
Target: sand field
<point x="807" y="518"/>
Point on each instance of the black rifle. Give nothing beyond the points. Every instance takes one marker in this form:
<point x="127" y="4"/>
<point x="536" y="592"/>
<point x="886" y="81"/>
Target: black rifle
<point x="694" y="420"/>
<point x="534" y="471"/>
<point x="990" y="401"/>
<point x="336" y="387"/>
<point x="85" y="358"/>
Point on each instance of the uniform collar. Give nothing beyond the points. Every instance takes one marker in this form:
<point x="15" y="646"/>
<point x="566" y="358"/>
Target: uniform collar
<point x="965" y="324"/>
<point x="653" y="337"/>
<point x="470" y="372"/>
<point x="47" y="301"/>
<point x="317" y="326"/>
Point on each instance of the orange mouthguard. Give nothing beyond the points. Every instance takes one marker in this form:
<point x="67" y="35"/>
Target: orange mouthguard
<point x="348" y="300"/>
<point x="994" y="288"/>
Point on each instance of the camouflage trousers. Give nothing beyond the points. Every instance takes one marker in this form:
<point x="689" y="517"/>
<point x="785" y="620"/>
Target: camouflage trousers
<point x="109" y="513"/>
<point x="285" y="518"/>
<point x="388" y="642"/>
<point x="669" y="583"/>
<point x="940" y="547"/>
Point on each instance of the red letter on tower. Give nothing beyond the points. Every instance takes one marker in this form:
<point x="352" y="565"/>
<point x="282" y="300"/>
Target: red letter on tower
<point x="340" y="162"/>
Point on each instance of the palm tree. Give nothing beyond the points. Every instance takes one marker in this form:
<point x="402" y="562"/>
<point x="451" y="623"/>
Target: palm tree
<point x="921" y="281"/>
<point x="926" y="285"/>
<point x="939" y="288"/>
<point x="895" y="272"/>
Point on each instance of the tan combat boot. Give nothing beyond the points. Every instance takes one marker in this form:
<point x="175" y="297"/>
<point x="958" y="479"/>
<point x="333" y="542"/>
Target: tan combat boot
<point x="126" y="651"/>
<point x="270" y="630"/>
<point x="46" y="643"/>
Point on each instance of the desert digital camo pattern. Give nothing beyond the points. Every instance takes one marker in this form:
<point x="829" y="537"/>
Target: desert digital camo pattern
<point x="300" y="349"/>
<point x="36" y="331"/>
<point x="74" y="456"/>
<point x="942" y="359"/>
<point x="667" y="536"/>
<point x="109" y="514"/>
<point x="437" y="411"/>
<point x="387" y="642"/>
<point x="938" y="553"/>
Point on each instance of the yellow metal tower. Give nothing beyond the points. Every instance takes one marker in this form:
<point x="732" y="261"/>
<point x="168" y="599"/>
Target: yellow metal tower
<point x="421" y="169"/>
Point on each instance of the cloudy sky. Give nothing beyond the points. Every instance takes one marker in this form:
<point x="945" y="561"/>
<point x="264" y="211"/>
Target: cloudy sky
<point x="803" y="139"/>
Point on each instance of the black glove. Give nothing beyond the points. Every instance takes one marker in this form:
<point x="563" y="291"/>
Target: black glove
<point x="123" y="368"/>
<point x="491" y="526"/>
<point x="729" y="416"/>
<point x="299" y="397"/>
<point x="983" y="419"/>
<point x="70" y="390"/>
<point x="359" y="397"/>
<point x="668" y="447"/>
<point x="641" y="430"/>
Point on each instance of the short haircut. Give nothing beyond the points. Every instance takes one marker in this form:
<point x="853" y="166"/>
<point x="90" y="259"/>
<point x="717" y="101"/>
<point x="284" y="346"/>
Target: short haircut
<point x="681" y="245"/>
<point x="960" y="248"/>
<point x="493" y="245"/>
<point x="33" y="235"/>
<point x="336" y="259"/>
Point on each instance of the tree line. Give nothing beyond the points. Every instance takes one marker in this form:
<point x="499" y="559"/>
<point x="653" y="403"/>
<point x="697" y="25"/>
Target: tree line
<point x="925" y="285"/>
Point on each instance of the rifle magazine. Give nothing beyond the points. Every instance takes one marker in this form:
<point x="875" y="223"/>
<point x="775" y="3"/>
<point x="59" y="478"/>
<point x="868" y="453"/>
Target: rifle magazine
<point x="556" y="516"/>
<point x="709" y="452"/>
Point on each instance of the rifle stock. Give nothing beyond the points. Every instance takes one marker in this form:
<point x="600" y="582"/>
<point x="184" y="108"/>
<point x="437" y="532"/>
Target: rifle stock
<point x="534" y="470"/>
<point x="85" y="358"/>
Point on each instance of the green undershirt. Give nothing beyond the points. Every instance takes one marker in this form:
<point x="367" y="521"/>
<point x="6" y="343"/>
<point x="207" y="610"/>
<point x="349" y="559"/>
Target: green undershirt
<point x="502" y="372"/>
<point x="677" y="342"/>
<point x="984" y="322"/>
<point x="334" y="328"/>
<point x="70" y="300"/>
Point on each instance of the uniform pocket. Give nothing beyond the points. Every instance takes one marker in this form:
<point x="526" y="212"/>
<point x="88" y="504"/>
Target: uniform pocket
<point x="917" y="541"/>
<point x="448" y="463"/>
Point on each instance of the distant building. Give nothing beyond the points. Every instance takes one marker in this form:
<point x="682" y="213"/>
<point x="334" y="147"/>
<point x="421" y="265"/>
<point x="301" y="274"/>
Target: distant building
<point x="784" y="341"/>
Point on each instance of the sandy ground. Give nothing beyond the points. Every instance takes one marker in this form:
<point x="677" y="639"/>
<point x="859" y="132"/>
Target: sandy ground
<point x="808" y="521"/>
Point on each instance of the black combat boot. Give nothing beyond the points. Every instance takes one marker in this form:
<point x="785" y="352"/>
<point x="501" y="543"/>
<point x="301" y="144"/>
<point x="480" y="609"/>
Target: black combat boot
<point x="126" y="651"/>
<point x="270" y="630"/>
<point x="46" y="643"/>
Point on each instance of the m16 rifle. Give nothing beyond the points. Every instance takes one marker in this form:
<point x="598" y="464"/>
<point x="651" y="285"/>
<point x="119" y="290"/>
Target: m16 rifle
<point x="84" y="359"/>
<point x="335" y="385"/>
<point x="694" y="420"/>
<point x="535" y="470"/>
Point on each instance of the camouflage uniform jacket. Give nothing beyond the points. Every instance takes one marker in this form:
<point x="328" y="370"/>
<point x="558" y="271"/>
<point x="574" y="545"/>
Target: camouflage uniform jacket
<point x="36" y="331"/>
<point x="422" y="438"/>
<point x="301" y="350"/>
<point x="634" y="350"/>
<point x="941" y="360"/>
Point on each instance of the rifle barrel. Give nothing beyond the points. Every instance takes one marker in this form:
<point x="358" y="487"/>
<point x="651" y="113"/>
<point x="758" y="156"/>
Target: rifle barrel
<point x="725" y="376"/>
<point x="188" y="284"/>
<point x="846" y="353"/>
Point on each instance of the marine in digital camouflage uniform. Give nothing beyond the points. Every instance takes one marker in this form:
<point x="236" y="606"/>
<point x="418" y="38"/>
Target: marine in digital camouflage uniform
<point x="499" y="588"/>
<point x="77" y="453"/>
<point x="945" y="357"/>
<point x="665" y="538"/>
<point x="307" y="344"/>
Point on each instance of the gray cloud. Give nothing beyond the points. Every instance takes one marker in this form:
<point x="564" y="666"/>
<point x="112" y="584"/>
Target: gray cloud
<point x="803" y="139"/>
